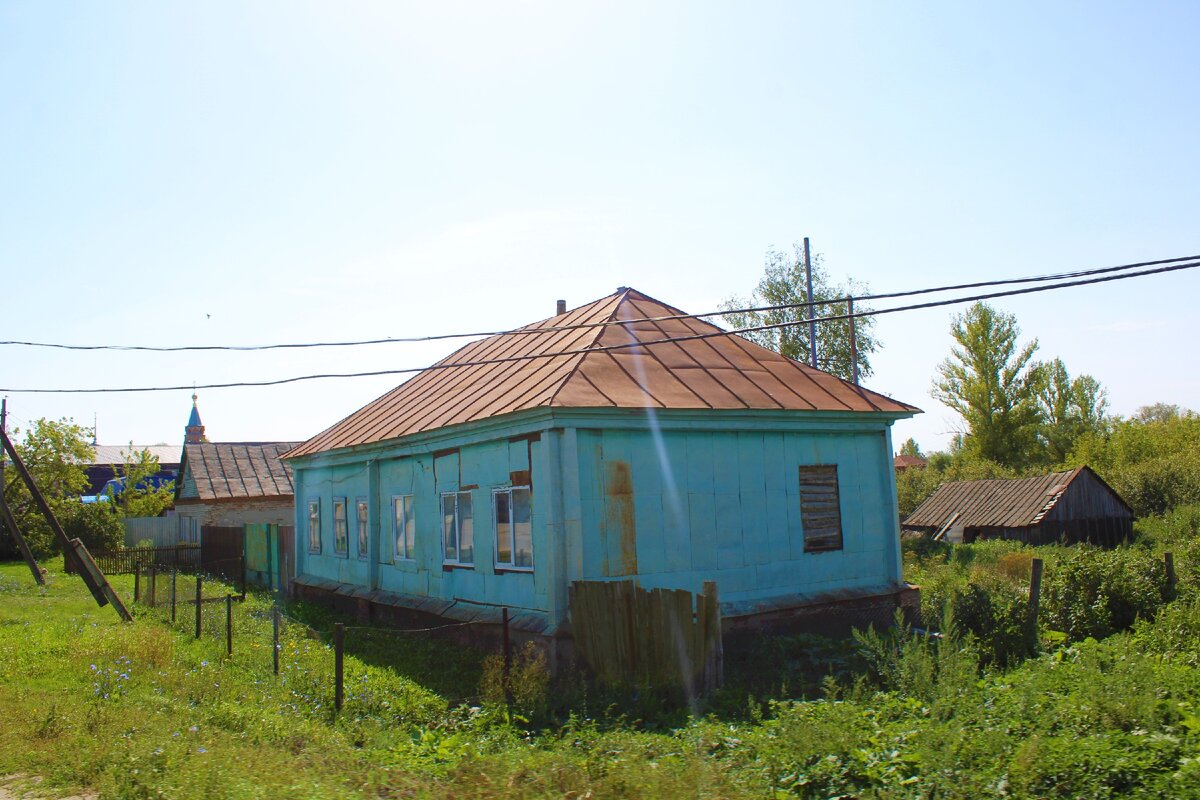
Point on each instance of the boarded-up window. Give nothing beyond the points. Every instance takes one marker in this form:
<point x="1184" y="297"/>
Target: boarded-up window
<point x="820" y="508"/>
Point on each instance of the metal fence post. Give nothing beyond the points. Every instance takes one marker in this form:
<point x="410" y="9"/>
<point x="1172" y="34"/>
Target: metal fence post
<point x="339" y="641"/>
<point x="275" y="639"/>
<point x="229" y="625"/>
<point x="1035" y="596"/>
<point x="137" y="582"/>
<point x="199" y="605"/>
<point x="153" y="586"/>
<point x="174" y="576"/>
<point x="507" y="644"/>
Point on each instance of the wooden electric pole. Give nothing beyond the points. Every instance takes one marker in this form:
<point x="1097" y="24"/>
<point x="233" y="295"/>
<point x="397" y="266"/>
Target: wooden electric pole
<point x="812" y="308"/>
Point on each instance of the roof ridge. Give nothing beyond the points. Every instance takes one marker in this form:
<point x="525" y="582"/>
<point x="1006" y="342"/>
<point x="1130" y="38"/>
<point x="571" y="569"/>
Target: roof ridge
<point x="619" y="298"/>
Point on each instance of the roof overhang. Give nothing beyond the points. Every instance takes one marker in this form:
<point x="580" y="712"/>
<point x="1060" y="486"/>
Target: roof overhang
<point x="524" y="423"/>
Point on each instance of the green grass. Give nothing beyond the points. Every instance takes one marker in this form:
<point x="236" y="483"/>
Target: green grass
<point x="145" y="710"/>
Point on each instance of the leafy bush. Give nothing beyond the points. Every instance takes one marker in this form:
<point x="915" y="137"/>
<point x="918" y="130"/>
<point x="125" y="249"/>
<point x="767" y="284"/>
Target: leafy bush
<point x="1095" y="593"/>
<point x="527" y="684"/>
<point x="94" y="524"/>
<point x="997" y="617"/>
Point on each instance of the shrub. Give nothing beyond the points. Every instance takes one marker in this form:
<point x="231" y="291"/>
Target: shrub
<point x="996" y="616"/>
<point x="94" y="524"/>
<point x="1096" y="593"/>
<point x="527" y="684"/>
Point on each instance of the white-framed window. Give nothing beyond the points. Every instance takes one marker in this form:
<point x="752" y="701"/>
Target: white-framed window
<point x="820" y="508"/>
<point x="314" y="525"/>
<point x="512" y="512"/>
<point x="341" y="533"/>
<point x="458" y="528"/>
<point x="362" y="513"/>
<point x="404" y="526"/>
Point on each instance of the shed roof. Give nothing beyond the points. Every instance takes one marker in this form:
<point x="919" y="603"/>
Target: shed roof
<point x="236" y="470"/>
<point x="995" y="503"/>
<point x="626" y="364"/>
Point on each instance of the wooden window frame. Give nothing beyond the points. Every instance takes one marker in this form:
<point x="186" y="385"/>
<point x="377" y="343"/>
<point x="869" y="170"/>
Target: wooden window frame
<point x="511" y="565"/>
<point x="314" y="526"/>
<point x="457" y="560"/>
<point x="362" y="516"/>
<point x="342" y="530"/>
<point x="402" y="520"/>
<point x="821" y="509"/>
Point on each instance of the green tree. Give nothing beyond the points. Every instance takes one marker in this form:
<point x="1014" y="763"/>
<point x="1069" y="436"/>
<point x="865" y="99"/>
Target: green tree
<point x="911" y="448"/>
<point x="991" y="383"/>
<point x="783" y="283"/>
<point x="139" y="498"/>
<point x="54" y="451"/>
<point x="1152" y="460"/>
<point x="1069" y="408"/>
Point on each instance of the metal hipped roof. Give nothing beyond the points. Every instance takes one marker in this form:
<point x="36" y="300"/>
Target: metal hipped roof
<point x="237" y="470"/>
<point x="993" y="503"/>
<point x="721" y="372"/>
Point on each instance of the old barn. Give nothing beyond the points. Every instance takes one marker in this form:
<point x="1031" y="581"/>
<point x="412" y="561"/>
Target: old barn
<point x="1074" y="506"/>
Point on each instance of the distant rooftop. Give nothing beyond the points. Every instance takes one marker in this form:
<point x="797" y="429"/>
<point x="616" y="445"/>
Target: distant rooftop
<point x="117" y="454"/>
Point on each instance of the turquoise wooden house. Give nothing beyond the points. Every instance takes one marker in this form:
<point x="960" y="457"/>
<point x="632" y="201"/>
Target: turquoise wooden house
<point x="619" y="440"/>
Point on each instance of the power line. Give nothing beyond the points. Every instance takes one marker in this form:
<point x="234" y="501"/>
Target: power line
<point x="580" y="326"/>
<point x="1174" y="267"/>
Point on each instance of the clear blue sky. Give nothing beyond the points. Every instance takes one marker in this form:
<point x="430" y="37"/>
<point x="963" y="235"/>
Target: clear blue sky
<point x="237" y="173"/>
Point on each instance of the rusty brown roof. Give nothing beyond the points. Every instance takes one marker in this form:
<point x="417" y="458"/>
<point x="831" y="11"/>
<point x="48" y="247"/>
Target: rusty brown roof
<point x="993" y="503"/>
<point x="572" y="369"/>
<point x="906" y="461"/>
<point x="235" y="470"/>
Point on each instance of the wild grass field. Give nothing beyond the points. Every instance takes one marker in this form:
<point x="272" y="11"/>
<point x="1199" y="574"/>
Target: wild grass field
<point x="1107" y="708"/>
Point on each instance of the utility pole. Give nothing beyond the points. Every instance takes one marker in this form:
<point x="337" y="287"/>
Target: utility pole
<point x="853" y="343"/>
<point x="10" y="521"/>
<point x="812" y="309"/>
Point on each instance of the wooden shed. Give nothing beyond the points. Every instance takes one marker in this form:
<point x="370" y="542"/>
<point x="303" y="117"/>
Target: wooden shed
<point x="1071" y="507"/>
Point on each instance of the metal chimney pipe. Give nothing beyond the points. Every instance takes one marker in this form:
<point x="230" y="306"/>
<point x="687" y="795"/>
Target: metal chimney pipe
<point x="560" y="307"/>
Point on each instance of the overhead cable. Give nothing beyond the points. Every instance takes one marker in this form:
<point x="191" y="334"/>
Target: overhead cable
<point x="602" y="323"/>
<point x="622" y="346"/>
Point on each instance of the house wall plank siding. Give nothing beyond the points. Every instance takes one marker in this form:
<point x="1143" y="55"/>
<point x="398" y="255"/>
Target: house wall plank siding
<point x="655" y="498"/>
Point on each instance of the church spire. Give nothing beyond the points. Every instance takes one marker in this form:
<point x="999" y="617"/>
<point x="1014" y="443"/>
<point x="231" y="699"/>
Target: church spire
<point x="194" y="432"/>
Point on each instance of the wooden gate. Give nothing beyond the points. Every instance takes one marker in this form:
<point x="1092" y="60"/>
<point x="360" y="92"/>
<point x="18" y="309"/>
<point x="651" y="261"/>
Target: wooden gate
<point x="222" y="551"/>
<point x="657" y="637"/>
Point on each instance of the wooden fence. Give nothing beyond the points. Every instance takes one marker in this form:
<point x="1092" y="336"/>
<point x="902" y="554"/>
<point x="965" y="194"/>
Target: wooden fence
<point x="184" y="557"/>
<point x="657" y="637"/>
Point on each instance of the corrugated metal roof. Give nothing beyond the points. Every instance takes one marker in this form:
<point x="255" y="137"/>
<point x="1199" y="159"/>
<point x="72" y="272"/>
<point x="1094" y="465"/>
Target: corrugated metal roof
<point x="107" y="454"/>
<point x="724" y="372"/>
<point x="993" y="503"/>
<point x="237" y="470"/>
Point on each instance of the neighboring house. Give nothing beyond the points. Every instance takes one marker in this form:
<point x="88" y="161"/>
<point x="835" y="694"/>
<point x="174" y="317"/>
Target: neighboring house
<point x="231" y="484"/>
<point x="903" y="462"/>
<point x="109" y="462"/>
<point x="484" y="482"/>
<point x="1068" y="507"/>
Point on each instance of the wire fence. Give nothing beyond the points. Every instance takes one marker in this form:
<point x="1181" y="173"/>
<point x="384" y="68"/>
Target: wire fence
<point x="202" y="605"/>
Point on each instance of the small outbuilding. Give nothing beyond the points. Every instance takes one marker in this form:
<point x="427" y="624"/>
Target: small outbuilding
<point x="621" y="440"/>
<point x="1071" y="507"/>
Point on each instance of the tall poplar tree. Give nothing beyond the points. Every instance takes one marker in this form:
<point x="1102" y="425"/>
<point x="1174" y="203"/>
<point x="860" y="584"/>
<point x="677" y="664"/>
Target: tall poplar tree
<point x="991" y="383"/>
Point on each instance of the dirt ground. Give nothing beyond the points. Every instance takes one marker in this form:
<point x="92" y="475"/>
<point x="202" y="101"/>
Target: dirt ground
<point x="21" y="787"/>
